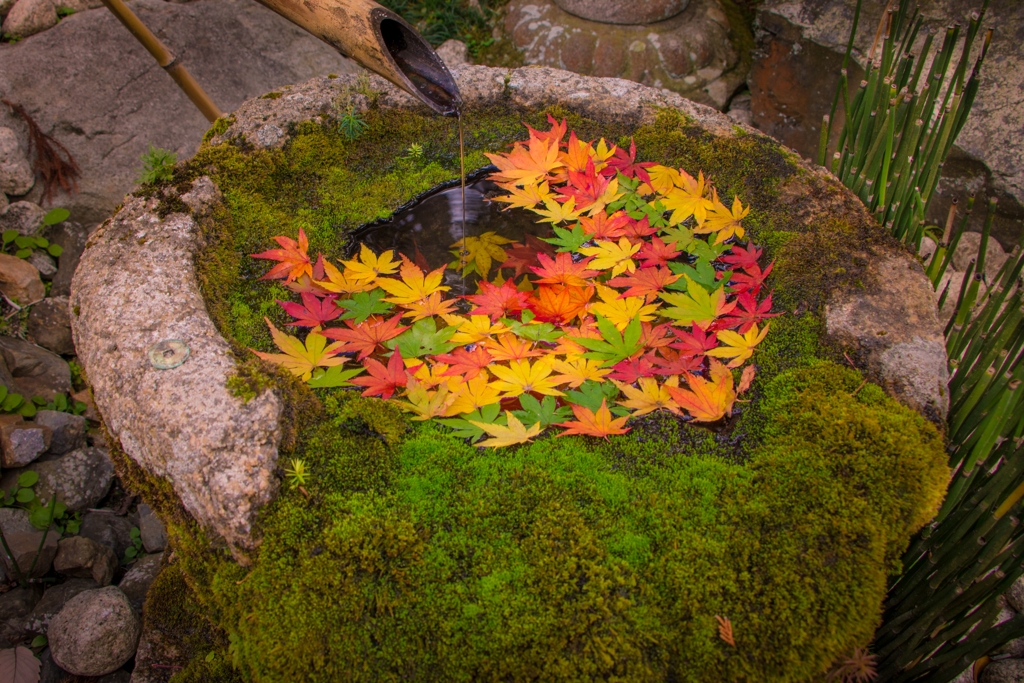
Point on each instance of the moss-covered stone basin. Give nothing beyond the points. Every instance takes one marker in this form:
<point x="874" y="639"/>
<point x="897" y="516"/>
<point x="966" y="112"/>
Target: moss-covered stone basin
<point x="419" y="557"/>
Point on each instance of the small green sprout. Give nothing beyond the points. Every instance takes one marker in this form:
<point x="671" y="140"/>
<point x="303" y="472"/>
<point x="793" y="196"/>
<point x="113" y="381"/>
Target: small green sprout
<point x="415" y="151"/>
<point x="352" y="124"/>
<point x="158" y="165"/>
<point x="296" y="474"/>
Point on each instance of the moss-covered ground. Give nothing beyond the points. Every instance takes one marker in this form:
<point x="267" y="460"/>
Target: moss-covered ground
<point x="418" y="557"/>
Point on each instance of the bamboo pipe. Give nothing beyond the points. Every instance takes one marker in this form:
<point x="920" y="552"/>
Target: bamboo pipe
<point x="379" y="40"/>
<point x="165" y="59"/>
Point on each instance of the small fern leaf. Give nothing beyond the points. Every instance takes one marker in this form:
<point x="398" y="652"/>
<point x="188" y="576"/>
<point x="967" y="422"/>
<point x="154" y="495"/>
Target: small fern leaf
<point x="725" y="630"/>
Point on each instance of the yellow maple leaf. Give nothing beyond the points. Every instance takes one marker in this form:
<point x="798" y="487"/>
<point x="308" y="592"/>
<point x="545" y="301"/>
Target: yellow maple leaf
<point x="431" y="306"/>
<point x="663" y="179"/>
<point x="724" y="221"/>
<point x="687" y="199"/>
<point x="301" y="358"/>
<point x="617" y="256"/>
<point x="414" y="285"/>
<point x="423" y="402"/>
<point x="474" y="394"/>
<point x="622" y="311"/>
<point x="369" y="266"/>
<point x="337" y="281"/>
<point x="650" y="396"/>
<point x="526" y="197"/>
<point x="737" y="346"/>
<point x="559" y="213"/>
<point x="480" y="251"/>
<point x="521" y="377"/>
<point x="707" y="400"/>
<point x="578" y="370"/>
<point x="477" y="329"/>
<point x="514" y="433"/>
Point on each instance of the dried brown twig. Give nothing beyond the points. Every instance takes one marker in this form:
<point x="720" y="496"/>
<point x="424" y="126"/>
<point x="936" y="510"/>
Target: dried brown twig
<point x="46" y="160"/>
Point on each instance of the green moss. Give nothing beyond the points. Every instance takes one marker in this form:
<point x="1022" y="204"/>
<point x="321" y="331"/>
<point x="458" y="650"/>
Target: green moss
<point x="418" y="557"/>
<point x="575" y="559"/>
<point x="219" y="127"/>
<point x="271" y="96"/>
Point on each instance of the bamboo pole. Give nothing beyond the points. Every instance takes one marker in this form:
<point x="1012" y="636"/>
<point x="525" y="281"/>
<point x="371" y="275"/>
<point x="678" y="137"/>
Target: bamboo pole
<point x="167" y="61"/>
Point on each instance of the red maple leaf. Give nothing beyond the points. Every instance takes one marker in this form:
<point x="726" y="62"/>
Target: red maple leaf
<point x="305" y="284"/>
<point x="656" y="253"/>
<point x="638" y="230"/>
<point x="746" y="314"/>
<point x="644" y="281"/>
<point x="556" y="133"/>
<point x="562" y="270"/>
<point x="383" y="380"/>
<point x="751" y="279"/>
<point x="672" y="362"/>
<point x="655" y="336"/>
<point x="367" y="336"/>
<point x="605" y="227"/>
<point x="497" y="302"/>
<point x="741" y="257"/>
<point x="465" y="363"/>
<point x="312" y="312"/>
<point x="694" y="343"/>
<point x="293" y="257"/>
<point x="632" y="369"/>
<point x="559" y="303"/>
<point x="524" y="256"/>
<point x="627" y="165"/>
<point x="586" y="187"/>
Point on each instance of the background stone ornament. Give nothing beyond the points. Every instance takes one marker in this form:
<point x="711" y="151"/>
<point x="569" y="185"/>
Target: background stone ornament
<point x="168" y="354"/>
<point x="614" y="12"/>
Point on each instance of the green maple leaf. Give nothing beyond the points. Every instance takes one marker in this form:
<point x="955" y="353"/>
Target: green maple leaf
<point x="464" y="429"/>
<point x="424" y="339"/>
<point x="591" y="394"/>
<point x="697" y="305"/>
<point x="536" y="332"/>
<point x="704" y="251"/>
<point x="545" y="412"/>
<point x="364" y="304"/>
<point x="678" y="237"/>
<point x="569" y="240"/>
<point x="336" y="376"/>
<point x="702" y="272"/>
<point x="653" y="212"/>
<point x="614" y="345"/>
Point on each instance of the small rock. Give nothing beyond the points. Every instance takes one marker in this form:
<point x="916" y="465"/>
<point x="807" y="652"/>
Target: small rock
<point x="139" y="578"/>
<point x="108" y="529"/>
<point x="50" y="672"/>
<point x="52" y="602"/>
<point x="154" y="538"/>
<point x="81" y="478"/>
<point x="21" y="443"/>
<point x="29" y="17"/>
<point x="741" y="116"/>
<point x="95" y="633"/>
<point x="1005" y="671"/>
<point x="85" y="558"/>
<point x="23" y="539"/>
<point x="71" y="237"/>
<point x="25" y="217"/>
<point x="49" y="326"/>
<point x="36" y="371"/>
<point x="16" y="175"/>
<point x="453" y="53"/>
<point x="44" y="263"/>
<point x="18" y="602"/>
<point x="967" y="249"/>
<point x="67" y="430"/>
<point x="19" y="280"/>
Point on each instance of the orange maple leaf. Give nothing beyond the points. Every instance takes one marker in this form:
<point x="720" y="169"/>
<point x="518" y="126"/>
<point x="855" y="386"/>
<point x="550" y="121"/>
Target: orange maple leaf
<point x="563" y="270"/>
<point x="367" y="336"/>
<point x="527" y="164"/>
<point x="293" y="257"/>
<point x="558" y="303"/>
<point x="589" y="423"/>
<point x="707" y="401"/>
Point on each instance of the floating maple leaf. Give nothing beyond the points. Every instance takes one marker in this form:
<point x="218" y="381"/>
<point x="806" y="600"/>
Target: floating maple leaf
<point x="480" y="251"/>
<point x="521" y="377"/>
<point x="497" y="302"/>
<point x="383" y="380"/>
<point x="510" y="347"/>
<point x="464" y="362"/>
<point x="562" y="270"/>
<point x="632" y="369"/>
<point x="527" y="164"/>
<point x="591" y="423"/>
<point x="414" y="285"/>
<point x="672" y="362"/>
<point x="644" y="281"/>
<point x="656" y="253"/>
<point x="525" y="197"/>
<point x="369" y="266"/>
<point x="605" y="227"/>
<point x="577" y="371"/>
<point x="293" y="257"/>
<point x="559" y="304"/>
<point x="299" y="358"/>
<point x="474" y="394"/>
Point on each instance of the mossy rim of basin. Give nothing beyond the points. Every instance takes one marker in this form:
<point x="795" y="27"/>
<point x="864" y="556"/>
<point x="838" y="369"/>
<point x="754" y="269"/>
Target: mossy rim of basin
<point x="419" y="557"/>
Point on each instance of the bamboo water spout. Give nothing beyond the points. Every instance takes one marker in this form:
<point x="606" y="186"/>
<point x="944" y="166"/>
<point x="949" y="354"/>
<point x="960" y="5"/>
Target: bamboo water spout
<point x="379" y="40"/>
